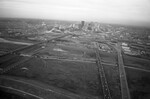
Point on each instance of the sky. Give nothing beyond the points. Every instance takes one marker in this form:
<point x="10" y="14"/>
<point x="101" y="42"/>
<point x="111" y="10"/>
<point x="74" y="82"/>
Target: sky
<point x="115" y="11"/>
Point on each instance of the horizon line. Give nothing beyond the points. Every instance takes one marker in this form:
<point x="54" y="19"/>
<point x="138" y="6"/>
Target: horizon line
<point x="145" y="25"/>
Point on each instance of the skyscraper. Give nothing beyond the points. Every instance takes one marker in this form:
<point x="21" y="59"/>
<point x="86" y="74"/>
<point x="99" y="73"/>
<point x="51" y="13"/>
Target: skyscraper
<point x="82" y="23"/>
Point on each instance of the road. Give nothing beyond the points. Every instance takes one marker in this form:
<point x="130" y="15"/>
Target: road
<point x="104" y="63"/>
<point x="31" y="48"/>
<point x="38" y="89"/>
<point x="13" y="58"/>
<point x="21" y="92"/>
<point x="123" y="79"/>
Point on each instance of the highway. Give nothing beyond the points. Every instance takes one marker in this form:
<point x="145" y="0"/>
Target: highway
<point x="31" y="48"/>
<point x="13" y="58"/>
<point x="123" y="79"/>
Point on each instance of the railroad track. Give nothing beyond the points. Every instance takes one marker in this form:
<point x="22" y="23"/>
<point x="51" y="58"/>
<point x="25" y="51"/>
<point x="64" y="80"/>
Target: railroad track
<point x="105" y="87"/>
<point x="20" y="50"/>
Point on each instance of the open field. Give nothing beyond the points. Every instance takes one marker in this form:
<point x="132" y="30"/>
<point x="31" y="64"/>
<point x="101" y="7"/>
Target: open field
<point x="7" y="57"/>
<point x="136" y="62"/>
<point x="139" y="83"/>
<point x="76" y="77"/>
<point x="2" y="52"/>
<point x="9" y="46"/>
<point x="113" y="79"/>
<point x="11" y="61"/>
<point x="108" y="57"/>
<point x="33" y="90"/>
<point x="5" y="95"/>
<point x="68" y="51"/>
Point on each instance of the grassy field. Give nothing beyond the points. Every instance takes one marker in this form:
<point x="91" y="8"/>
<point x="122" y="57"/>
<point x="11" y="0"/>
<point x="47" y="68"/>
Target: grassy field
<point x="7" y="57"/>
<point x="76" y="77"/>
<point x="9" y="46"/>
<point x="108" y="57"/>
<point x="136" y="62"/>
<point x="139" y="83"/>
<point x="10" y="62"/>
<point x="68" y="51"/>
<point x="113" y="79"/>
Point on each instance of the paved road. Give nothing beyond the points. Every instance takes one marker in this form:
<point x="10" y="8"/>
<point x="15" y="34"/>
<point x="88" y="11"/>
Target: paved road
<point x="34" y="47"/>
<point x="137" y="69"/>
<point x="104" y="63"/>
<point x="123" y="80"/>
<point x="13" y="56"/>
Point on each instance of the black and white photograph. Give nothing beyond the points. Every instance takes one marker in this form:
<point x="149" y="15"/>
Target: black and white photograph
<point x="74" y="49"/>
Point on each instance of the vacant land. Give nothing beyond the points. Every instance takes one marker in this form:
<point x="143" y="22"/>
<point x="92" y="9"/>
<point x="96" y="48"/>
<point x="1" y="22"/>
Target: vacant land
<point x="68" y="51"/>
<point x="139" y="83"/>
<point x="9" y="62"/>
<point x="76" y="77"/>
<point x="113" y="80"/>
<point x="7" y="57"/>
<point x="136" y="62"/>
<point x="9" y="46"/>
<point x="108" y="57"/>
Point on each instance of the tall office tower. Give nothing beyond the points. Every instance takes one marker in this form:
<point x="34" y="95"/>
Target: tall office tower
<point x="82" y="23"/>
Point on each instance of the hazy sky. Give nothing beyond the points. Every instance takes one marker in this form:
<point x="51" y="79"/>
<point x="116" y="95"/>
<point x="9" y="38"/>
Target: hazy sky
<point x="91" y="10"/>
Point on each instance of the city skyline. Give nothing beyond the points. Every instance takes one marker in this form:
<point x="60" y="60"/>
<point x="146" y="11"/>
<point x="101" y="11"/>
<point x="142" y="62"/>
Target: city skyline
<point x="116" y="11"/>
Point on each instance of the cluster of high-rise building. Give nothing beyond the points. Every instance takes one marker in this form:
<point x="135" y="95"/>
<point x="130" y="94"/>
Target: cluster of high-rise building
<point x="86" y="26"/>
